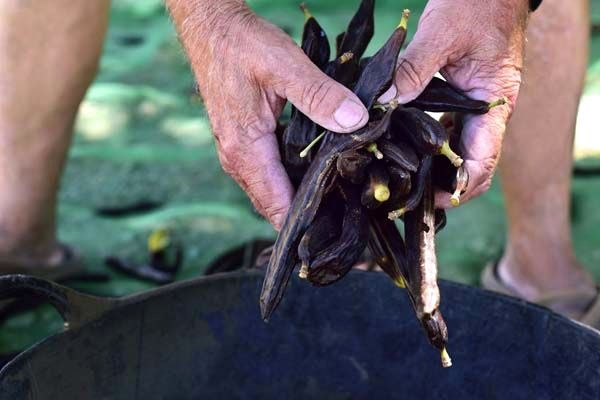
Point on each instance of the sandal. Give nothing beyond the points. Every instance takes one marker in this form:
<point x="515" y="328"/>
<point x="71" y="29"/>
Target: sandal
<point x="581" y="306"/>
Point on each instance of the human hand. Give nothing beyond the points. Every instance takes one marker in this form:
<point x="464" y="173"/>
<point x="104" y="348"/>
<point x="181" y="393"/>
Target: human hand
<point x="246" y="70"/>
<point x="478" y="47"/>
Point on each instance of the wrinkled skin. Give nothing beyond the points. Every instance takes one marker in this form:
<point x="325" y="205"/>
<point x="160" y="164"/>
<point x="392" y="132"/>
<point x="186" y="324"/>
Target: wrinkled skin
<point x="247" y="68"/>
<point x="478" y="47"/>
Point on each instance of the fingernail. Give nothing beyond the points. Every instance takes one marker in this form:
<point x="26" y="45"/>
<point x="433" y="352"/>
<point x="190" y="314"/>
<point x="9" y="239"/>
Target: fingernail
<point x="349" y="114"/>
<point x="389" y="95"/>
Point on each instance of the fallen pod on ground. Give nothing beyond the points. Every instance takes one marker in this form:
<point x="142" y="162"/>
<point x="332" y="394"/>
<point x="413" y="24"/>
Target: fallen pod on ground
<point x="352" y="187"/>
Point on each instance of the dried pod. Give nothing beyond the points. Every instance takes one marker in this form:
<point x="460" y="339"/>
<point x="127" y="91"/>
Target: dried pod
<point x="360" y="30"/>
<point x="324" y="231"/>
<point x="450" y="179"/>
<point x="440" y="220"/>
<point x="338" y="44"/>
<point x="400" y="187"/>
<point x="304" y="208"/>
<point x="337" y="259"/>
<point x="416" y="192"/>
<point x="299" y="133"/>
<point x="424" y="132"/>
<point x="352" y="165"/>
<point x="387" y="246"/>
<point x="419" y="231"/>
<point x="400" y="153"/>
<point x="440" y="96"/>
<point x="314" y="40"/>
<point x="378" y="74"/>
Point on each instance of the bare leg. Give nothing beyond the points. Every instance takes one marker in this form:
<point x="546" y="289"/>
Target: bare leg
<point x="537" y="158"/>
<point x="49" y="52"/>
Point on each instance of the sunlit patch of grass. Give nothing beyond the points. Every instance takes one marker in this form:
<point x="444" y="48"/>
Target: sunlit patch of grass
<point x="189" y="131"/>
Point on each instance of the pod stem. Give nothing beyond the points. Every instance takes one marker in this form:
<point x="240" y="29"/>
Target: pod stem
<point x="404" y="20"/>
<point x="381" y="192"/>
<point x="397" y="214"/>
<point x="455" y="198"/>
<point x="307" y="14"/>
<point x="400" y="282"/>
<point x="346" y="57"/>
<point x="454" y="158"/>
<point x="372" y="148"/>
<point x="303" y="274"/>
<point x="499" y="102"/>
<point x="462" y="181"/>
<point x="312" y="144"/>
<point x="446" y="360"/>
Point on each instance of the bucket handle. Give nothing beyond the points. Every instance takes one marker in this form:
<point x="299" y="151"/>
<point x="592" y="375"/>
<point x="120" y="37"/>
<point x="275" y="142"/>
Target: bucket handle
<point x="75" y="308"/>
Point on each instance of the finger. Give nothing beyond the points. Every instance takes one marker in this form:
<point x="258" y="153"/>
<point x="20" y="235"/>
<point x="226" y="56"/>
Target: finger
<point x="322" y="99"/>
<point x="252" y="159"/>
<point x="426" y="54"/>
<point x="481" y="143"/>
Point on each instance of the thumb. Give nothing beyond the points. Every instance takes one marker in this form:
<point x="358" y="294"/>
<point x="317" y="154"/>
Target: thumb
<point x="425" y="56"/>
<point x="325" y="101"/>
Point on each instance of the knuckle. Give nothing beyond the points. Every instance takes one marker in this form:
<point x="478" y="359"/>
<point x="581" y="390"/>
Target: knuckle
<point x="408" y="72"/>
<point x="316" y="93"/>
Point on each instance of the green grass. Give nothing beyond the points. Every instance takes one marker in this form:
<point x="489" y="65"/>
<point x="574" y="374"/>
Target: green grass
<point x="142" y="134"/>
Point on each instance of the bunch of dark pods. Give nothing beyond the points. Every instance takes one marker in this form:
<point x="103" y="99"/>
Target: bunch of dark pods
<point x="351" y="188"/>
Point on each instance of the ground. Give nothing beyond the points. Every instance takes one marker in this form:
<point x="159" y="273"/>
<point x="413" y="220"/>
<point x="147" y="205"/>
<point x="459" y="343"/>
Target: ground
<point x="142" y="134"/>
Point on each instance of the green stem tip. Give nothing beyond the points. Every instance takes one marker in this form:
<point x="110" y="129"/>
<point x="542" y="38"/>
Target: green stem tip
<point x="498" y="102"/>
<point x="303" y="274"/>
<point x="372" y="148"/>
<point x="394" y="215"/>
<point x="446" y="360"/>
<point x="454" y="158"/>
<point x="307" y="14"/>
<point x="381" y="193"/>
<point x="404" y="20"/>
<point x="347" y="56"/>
<point x="455" y="198"/>
<point x="312" y="144"/>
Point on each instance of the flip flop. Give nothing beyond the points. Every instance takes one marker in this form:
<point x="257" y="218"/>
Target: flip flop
<point x="580" y="306"/>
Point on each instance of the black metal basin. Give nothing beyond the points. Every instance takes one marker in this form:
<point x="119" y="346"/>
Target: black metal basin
<point x="358" y="339"/>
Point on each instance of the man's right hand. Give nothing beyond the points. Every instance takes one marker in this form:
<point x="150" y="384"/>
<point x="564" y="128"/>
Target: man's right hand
<point x="246" y="69"/>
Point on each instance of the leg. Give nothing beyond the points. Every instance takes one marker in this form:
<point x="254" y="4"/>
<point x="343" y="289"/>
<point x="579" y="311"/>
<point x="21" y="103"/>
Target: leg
<point x="537" y="158"/>
<point x="49" y="54"/>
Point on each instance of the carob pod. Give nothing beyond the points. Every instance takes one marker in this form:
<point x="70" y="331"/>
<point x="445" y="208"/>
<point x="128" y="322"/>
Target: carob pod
<point x="338" y="44"/>
<point x="304" y="207"/>
<point x="419" y="231"/>
<point x="440" y="96"/>
<point x="400" y="153"/>
<point x="298" y="134"/>
<point x="440" y="220"/>
<point x="314" y="40"/>
<point x="376" y="191"/>
<point x="377" y="76"/>
<point x="424" y="132"/>
<point x="301" y="130"/>
<point x="387" y="247"/>
<point x="360" y="30"/>
<point x="450" y="179"/>
<point x="324" y="230"/>
<point x="378" y="73"/>
<point x="352" y="165"/>
<point x="339" y="258"/>
<point x="419" y="183"/>
<point x="400" y="187"/>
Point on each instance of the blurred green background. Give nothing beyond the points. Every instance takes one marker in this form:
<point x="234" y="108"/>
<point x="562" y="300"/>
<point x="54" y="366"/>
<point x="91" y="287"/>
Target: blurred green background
<point x="142" y="134"/>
